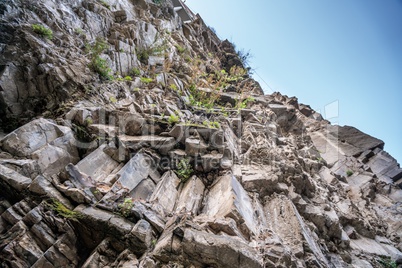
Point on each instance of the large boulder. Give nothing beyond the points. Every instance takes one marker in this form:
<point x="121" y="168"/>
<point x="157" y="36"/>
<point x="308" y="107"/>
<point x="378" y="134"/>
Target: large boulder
<point x="51" y="145"/>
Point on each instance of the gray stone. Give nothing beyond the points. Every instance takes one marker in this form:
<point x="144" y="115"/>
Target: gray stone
<point x="32" y="137"/>
<point x="142" y="231"/>
<point x="98" y="165"/>
<point x="180" y="132"/>
<point x="333" y="142"/>
<point x="211" y="162"/>
<point x="227" y="198"/>
<point x="102" y="131"/>
<point x="262" y="180"/>
<point x="385" y="166"/>
<point x="191" y="196"/>
<point x="162" y="144"/>
<point x="14" y="179"/>
<point x="143" y="190"/>
<point x="41" y="186"/>
<point x="221" y="251"/>
<point x="53" y="157"/>
<point x="282" y="216"/>
<point x="195" y="146"/>
<point x="130" y="176"/>
<point x="166" y="192"/>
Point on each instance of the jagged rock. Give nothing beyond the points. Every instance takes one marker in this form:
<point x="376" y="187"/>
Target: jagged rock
<point x="385" y="167"/>
<point x="51" y="145"/>
<point x="166" y="192"/>
<point x="335" y="142"/>
<point x="139" y="168"/>
<point x="14" y="179"/>
<point x="284" y="216"/>
<point x="211" y="162"/>
<point x="191" y="196"/>
<point x="98" y="165"/>
<point x="227" y="198"/>
<point x="195" y="147"/>
<point x="275" y="185"/>
<point x="217" y="250"/>
<point x="162" y="144"/>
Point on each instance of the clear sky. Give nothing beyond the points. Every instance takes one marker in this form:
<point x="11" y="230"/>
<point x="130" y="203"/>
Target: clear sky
<point x="341" y="57"/>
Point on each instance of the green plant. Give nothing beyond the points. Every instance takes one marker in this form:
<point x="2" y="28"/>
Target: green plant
<point x="79" y="31"/>
<point x="180" y="49"/>
<point x="349" y="173"/>
<point x="173" y="119"/>
<point x="146" y="80"/>
<point x="158" y="2"/>
<point x="201" y="98"/>
<point x="144" y="53"/>
<point x="63" y="211"/>
<point x="387" y="262"/>
<point x="184" y="169"/>
<point x="88" y="121"/>
<point x="42" y="31"/>
<point x="173" y="87"/>
<point x="113" y="99"/>
<point x="213" y="124"/>
<point x="126" y="206"/>
<point x="104" y="3"/>
<point x="136" y="72"/>
<point x="128" y="78"/>
<point x="98" y="64"/>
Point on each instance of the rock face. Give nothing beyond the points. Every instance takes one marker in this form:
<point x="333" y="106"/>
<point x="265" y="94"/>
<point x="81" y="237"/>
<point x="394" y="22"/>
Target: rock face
<point x="144" y="142"/>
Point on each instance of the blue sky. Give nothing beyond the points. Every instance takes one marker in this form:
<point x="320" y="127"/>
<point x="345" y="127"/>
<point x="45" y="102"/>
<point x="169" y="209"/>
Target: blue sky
<point x="341" y="57"/>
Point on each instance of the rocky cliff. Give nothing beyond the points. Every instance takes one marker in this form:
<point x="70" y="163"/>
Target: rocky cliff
<point x="134" y="137"/>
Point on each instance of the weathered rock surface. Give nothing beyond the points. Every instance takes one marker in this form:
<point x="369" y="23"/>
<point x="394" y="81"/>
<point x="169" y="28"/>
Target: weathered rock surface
<point x="144" y="142"/>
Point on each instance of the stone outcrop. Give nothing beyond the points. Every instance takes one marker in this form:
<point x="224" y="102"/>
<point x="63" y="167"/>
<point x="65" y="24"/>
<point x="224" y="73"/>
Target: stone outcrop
<point x="134" y="137"/>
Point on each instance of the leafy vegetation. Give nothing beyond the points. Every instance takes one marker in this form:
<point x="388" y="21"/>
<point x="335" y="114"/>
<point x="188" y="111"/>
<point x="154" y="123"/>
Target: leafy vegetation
<point x="63" y="211"/>
<point x="98" y="64"/>
<point x="173" y="87"/>
<point x="213" y="124"/>
<point x="184" y="169"/>
<point x="126" y="207"/>
<point x="104" y="3"/>
<point x="203" y="99"/>
<point x="349" y="173"/>
<point x="242" y="103"/>
<point x="387" y="263"/>
<point x="173" y="119"/>
<point x="143" y="54"/>
<point x="42" y="31"/>
<point x="136" y="72"/>
<point x="180" y="49"/>
<point x="146" y="80"/>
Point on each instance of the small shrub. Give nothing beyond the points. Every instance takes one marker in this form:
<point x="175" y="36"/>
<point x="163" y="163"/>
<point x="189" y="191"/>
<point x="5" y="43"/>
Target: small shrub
<point x="63" y="211"/>
<point x="387" y="263"/>
<point x="184" y="169"/>
<point x="79" y="31"/>
<point x="104" y="3"/>
<point x="173" y="119"/>
<point x="213" y="124"/>
<point x="173" y="87"/>
<point x="180" y="49"/>
<point x="42" y="31"/>
<point x="113" y="99"/>
<point x="146" y="80"/>
<point x="126" y="207"/>
<point x="98" y="64"/>
<point x="349" y="173"/>
<point x="136" y="72"/>
<point x="128" y="78"/>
